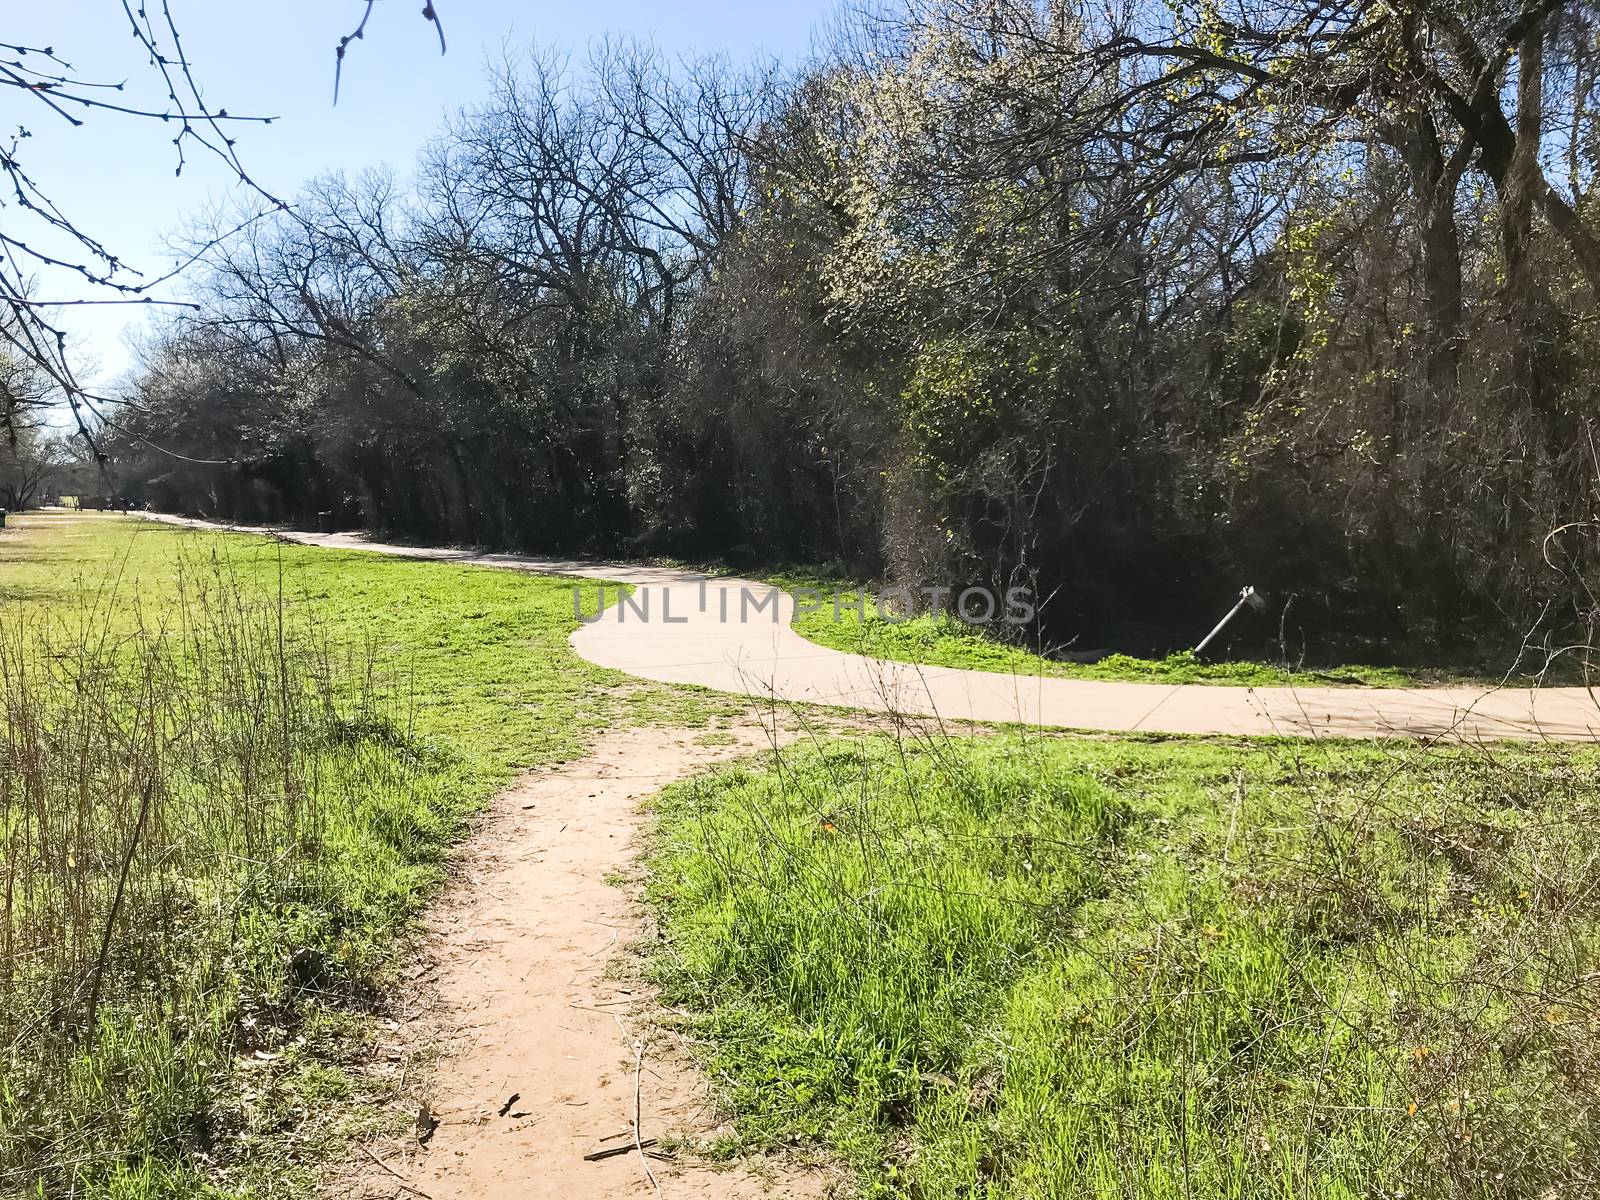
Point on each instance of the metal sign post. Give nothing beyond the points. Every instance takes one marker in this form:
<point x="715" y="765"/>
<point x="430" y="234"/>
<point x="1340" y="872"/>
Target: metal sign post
<point x="1248" y="596"/>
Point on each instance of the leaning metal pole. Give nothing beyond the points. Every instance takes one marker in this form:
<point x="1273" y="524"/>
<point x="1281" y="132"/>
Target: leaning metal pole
<point x="1247" y="596"/>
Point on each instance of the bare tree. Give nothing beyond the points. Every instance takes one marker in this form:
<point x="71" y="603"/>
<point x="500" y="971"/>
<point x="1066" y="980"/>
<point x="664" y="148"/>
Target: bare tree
<point x="27" y="467"/>
<point x="42" y="242"/>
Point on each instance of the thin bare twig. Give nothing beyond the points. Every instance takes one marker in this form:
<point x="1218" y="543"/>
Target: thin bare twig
<point x="404" y="1182"/>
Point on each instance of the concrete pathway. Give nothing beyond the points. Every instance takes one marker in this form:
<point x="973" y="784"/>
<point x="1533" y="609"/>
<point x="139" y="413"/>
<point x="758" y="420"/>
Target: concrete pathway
<point x="733" y="635"/>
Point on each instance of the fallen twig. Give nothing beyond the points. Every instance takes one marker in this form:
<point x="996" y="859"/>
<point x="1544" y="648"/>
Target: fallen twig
<point x="638" y="1089"/>
<point x="614" y="1151"/>
<point x="404" y="1182"/>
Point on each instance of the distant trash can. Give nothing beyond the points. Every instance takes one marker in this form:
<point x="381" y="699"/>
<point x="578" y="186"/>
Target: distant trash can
<point x="2" y="518"/>
<point x="325" y="522"/>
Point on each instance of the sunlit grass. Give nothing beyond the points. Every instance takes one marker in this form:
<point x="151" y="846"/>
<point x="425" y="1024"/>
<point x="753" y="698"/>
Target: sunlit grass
<point x="1023" y="968"/>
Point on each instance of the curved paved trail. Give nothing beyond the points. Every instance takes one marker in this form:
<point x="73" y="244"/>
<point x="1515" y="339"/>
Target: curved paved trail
<point x="733" y="635"/>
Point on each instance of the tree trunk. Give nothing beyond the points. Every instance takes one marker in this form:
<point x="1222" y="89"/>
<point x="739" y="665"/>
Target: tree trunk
<point x="1523" y="174"/>
<point x="1522" y="181"/>
<point x="1441" y="271"/>
<point x="1489" y="126"/>
<point x="1434" y="184"/>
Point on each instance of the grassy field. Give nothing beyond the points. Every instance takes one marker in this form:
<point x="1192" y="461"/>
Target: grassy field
<point x="1015" y="967"/>
<point x="232" y="769"/>
<point x="946" y="641"/>
<point x="1028" y="968"/>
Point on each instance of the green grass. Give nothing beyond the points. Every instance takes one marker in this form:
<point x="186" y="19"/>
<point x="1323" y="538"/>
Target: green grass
<point x="479" y="656"/>
<point x="1015" y="968"/>
<point x="1025" y="968"/>
<point x="315" y="728"/>
<point x="857" y="626"/>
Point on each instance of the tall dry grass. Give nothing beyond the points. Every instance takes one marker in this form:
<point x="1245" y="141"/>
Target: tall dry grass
<point x="176" y="776"/>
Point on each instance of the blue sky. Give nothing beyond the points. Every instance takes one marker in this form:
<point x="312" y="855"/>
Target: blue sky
<point x="114" y="176"/>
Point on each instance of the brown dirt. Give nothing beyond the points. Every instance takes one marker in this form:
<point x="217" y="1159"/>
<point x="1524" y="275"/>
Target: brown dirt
<point x="535" y="994"/>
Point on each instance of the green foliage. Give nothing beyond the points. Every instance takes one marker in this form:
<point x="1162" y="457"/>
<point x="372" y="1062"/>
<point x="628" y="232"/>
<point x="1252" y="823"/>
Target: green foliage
<point x="1024" y="968"/>
<point x="966" y="393"/>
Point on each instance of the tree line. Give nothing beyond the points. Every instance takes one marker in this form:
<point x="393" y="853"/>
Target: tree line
<point x="1130" y="304"/>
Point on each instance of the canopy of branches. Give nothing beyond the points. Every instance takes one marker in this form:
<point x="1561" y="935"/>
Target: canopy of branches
<point x="1131" y="304"/>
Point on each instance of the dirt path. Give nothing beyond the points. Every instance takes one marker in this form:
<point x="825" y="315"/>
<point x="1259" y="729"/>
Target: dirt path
<point x="535" y="999"/>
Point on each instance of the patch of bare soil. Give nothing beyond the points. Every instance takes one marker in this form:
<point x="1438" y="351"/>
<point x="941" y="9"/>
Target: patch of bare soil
<point x="541" y="1050"/>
